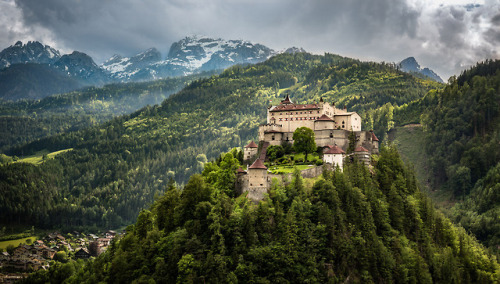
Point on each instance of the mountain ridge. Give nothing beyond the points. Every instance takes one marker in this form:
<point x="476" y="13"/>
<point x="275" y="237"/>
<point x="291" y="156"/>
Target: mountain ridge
<point x="190" y="55"/>
<point x="411" y="65"/>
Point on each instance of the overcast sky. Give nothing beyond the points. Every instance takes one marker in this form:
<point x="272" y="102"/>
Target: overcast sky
<point x="445" y="35"/>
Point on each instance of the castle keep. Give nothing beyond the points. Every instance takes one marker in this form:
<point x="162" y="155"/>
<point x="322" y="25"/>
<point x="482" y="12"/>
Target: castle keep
<point x="332" y="127"/>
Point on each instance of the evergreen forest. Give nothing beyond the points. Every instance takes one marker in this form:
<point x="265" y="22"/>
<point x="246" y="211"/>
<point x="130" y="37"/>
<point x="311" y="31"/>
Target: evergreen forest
<point x="353" y="226"/>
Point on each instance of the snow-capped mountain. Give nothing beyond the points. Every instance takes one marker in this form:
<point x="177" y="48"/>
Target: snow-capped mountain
<point x="125" y="69"/>
<point x="411" y="65"/>
<point x="190" y="55"/>
<point x="32" y="52"/>
<point x="204" y="53"/>
<point x="80" y="65"/>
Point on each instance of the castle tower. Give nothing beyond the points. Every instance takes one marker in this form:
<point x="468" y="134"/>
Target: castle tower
<point x="362" y="154"/>
<point x="250" y="151"/>
<point x="257" y="180"/>
<point x="374" y="143"/>
<point x="334" y="156"/>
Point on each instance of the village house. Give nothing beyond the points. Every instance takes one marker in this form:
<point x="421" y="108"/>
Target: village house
<point x="82" y="253"/>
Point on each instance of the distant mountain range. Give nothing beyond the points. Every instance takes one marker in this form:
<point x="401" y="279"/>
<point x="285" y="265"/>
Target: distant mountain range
<point x="34" y="70"/>
<point x="187" y="56"/>
<point x="411" y="65"/>
<point x="72" y="71"/>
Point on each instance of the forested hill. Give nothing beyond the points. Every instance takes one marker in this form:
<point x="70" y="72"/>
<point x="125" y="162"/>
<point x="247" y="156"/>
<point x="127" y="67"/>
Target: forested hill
<point x="350" y="227"/>
<point x="24" y="121"/>
<point x="461" y="135"/>
<point x="462" y="132"/>
<point x="116" y="168"/>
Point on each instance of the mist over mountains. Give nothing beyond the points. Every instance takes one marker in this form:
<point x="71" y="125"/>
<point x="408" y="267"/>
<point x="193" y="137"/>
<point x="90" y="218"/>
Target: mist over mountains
<point x="34" y="70"/>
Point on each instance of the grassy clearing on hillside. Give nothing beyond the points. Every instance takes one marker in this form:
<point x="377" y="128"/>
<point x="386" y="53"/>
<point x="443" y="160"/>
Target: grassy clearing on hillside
<point x="15" y="243"/>
<point x="38" y="157"/>
<point x="410" y="143"/>
<point x="286" y="169"/>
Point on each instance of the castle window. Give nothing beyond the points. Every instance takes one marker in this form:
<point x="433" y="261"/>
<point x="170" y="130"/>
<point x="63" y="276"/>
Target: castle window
<point x="291" y="119"/>
<point x="281" y="119"/>
<point x="272" y="137"/>
<point x="281" y="113"/>
<point x="286" y="119"/>
<point x="331" y="134"/>
<point x="261" y="184"/>
<point x="318" y="111"/>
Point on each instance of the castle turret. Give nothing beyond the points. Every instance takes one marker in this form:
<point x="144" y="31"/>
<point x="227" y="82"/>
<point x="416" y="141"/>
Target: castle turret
<point x="250" y="151"/>
<point x="257" y="180"/>
<point x="335" y="156"/>
<point x="362" y="154"/>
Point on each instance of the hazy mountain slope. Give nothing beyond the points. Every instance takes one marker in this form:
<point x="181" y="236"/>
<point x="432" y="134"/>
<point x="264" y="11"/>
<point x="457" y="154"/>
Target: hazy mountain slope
<point x="24" y="121"/>
<point x="119" y="166"/>
<point x="34" y="81"/>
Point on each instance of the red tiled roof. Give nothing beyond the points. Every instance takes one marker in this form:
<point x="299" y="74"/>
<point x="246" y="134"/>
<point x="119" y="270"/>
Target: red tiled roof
<point x="258" y="164"/>
<point x="360" y="149"/>
<point x="273" y="131"/>
<point x="334" y="150"/>
<point x="374" y="138"/>
<point x="324" y="117"/>
<point x="284" y="107"/>
<point x="240" y="170"/>
<point x="286" y="100"/>
<point x="251" y="145"/>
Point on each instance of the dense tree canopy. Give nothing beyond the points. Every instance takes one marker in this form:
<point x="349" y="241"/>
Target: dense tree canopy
<point x="353" y="226"/>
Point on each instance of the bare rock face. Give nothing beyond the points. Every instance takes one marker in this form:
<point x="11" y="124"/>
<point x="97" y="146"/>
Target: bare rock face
<point x="411" y="65"/>
<point x="32" y="52"/>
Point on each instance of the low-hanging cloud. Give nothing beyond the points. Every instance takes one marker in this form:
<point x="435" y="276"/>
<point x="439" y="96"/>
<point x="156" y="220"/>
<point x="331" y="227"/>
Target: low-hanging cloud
<point x="446" y="38"/>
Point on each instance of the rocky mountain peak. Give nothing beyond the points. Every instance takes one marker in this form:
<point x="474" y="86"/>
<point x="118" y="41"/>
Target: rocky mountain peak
<point x="31" y="52"/>
<point x="411" y="65"/>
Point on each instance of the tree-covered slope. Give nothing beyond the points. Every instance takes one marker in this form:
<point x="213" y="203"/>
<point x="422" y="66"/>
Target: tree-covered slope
<point x="461" y="129"/>
<point x="350" y="227"/>
<point x="24" y="121"/>
<point x="34" y="81"/>
<point x="116" y="168"/>
<point x="463" y="133"/>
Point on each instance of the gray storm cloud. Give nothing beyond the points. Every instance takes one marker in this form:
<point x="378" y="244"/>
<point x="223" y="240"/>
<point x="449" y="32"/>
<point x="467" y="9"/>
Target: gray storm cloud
<point x="446" y="38"/>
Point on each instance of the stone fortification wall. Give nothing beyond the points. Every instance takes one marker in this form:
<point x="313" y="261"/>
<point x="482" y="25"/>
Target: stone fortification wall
<point x="257" y="192"/>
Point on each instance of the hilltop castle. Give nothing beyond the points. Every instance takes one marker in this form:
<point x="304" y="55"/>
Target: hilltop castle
<point x="332" y="128"/>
